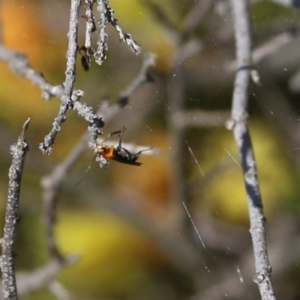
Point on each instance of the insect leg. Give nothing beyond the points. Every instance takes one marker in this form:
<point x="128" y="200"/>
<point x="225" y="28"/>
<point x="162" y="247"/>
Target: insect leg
<point x="144" y="150"/>
<point x="114" y="133"/>
<point x="120" y="140"/>
<point x="136" y="155"/>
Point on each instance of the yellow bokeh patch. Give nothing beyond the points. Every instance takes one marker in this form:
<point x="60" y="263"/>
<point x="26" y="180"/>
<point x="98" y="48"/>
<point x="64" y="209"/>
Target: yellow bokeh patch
<point x="112" y="253"/>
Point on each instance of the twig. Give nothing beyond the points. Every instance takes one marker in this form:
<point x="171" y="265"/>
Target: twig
<point x="86" y="59"/>
<point x="90" y="22"/>
<point x="200" y="118"/>
<point x="59" y="290"/>
<point x="7" y="265"/>
<point x="187" y="50"/>
<point x="196" y="15"/>
<point x="100" y="54"/>
<point x="266" y="49"/>
<point x="106" y="16"/>
<point x="20" y="65"/>
<point x="66" y="102"/>
<point x="70" y="99"/>
<point x="142" y="77"/>
<point x="243" y="140"/>
<point x="124" y="37"/>
<point x="51" y="185"/>
<point x="28" y="282"/>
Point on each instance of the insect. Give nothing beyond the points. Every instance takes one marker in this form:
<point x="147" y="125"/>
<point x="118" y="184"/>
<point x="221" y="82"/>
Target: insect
<point x="119" y="153"/>
<point x="86" y="58"/>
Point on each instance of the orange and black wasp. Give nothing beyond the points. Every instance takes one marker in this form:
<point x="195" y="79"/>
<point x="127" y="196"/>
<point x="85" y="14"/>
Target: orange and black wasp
<point x="119" y="153"/>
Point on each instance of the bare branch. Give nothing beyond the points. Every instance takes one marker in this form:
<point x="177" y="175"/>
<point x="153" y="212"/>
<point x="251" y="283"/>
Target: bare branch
<point x="28" y="282"/>
<point x="51" y="185"/>
<point x="243" y="140"/>
<point x="100" y="54"/>
<point x="90" y="22"/>
<point x="200" y="118"/>
<point x="86" y="58"/>
<point x="124" y="37"/>
<point x="59" y="291"/>
<point x="20" y="65"/>
<point x="196" y="15"/>
<point x="266" y="49"/>
<point x="7" y="265"/>
<point x="187" y="50"/>
<point x="66" y="102"/>
<point x="141" y="78"/>
<point x="106" y="16"/>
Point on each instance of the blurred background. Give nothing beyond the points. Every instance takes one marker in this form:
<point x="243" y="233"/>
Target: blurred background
<point x="176" y="227"/>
